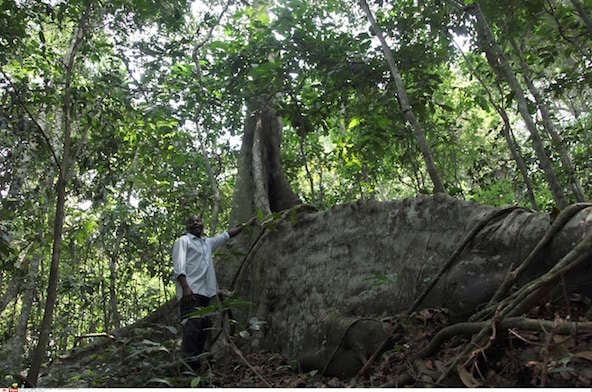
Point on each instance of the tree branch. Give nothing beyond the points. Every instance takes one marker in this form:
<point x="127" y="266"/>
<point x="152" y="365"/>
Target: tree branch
<point x="33" y="119"/>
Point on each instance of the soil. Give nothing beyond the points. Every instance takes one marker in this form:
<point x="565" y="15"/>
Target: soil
<point x="148" y="356"/>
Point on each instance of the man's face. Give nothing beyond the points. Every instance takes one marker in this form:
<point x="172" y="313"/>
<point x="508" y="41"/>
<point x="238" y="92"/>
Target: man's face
<point x="195" y="225"/>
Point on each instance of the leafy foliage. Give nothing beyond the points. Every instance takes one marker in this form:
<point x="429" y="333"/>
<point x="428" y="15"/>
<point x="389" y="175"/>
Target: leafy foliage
<point x="137" y="98"/>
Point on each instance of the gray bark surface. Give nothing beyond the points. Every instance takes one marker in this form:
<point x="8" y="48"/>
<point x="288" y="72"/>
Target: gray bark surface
<point x="260" y="183"/>
<point x="17" y="341"/>
<point x="314" y="273"/>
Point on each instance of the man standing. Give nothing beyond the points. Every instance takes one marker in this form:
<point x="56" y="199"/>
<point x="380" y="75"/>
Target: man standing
<point x="196" y="282"/>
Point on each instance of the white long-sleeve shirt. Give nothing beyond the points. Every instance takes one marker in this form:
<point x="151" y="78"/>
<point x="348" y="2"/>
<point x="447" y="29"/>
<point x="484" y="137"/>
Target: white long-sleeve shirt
<point x="192" y="257"/>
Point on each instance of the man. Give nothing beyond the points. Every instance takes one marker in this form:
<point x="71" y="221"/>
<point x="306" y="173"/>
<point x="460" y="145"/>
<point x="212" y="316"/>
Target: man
<point x="196" y="282"/>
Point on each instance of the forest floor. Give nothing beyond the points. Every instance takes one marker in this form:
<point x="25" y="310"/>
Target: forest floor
<point x="148" y="357"/>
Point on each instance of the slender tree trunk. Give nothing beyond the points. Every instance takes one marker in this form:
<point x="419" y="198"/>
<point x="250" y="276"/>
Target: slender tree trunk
<point x="103" y="297"/>
<point x="213" y="181"/>
<point x="10" y="293"/>
<point x="63" y="176"/>
<point x="115" y="319"/>
<point x="549" y="126"/>
<point x="17" y="344"/>
<point x="506" y="130"/>
<point x="12" y="289"/>
<point x="202" y="147"/>
<point x="305" y="162"/>
<point x="501" y="66"/>
<point x="582" y="12"/>
<point x="404" y="103"/>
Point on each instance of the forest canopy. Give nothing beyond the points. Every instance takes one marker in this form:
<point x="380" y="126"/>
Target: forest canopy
<point x="119" y="118"/>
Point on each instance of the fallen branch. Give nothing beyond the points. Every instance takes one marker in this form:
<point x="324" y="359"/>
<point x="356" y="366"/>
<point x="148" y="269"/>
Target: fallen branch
<point x="519" y="323"/>
<point x="237" y="351"/>
<point x="386" y="344"/>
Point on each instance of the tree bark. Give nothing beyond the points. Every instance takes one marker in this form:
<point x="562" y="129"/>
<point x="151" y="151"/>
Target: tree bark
<point x="259" y="172"/>
<point x="305" y="163"/>
<point x="115" y="319"/>
<point x="501" y="67"/>
<point x="506" y="130"/>
<point x="17" y="342"/>
<point x="550" y="127"/>
<point x="404" y="103"/>
<point x="63" y="178"/>
<point x="260" y="183"/>
<point x="10" y="293"/>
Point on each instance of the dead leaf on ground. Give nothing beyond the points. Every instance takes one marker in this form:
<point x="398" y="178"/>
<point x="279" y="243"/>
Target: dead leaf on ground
<point x="467" y="378"/>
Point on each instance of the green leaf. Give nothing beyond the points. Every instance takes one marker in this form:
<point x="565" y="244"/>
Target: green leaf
<point x="203" y="311"/>
<point x="156" y="380"/>
<point x="354" y="122"/>
<point x="195" y="382"/>
<point x="260" y="215"/>
<point x="263" y="17"/>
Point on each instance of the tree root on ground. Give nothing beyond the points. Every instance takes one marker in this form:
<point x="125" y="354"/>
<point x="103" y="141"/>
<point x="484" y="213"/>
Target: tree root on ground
<point x="526" y="297"/>
<point x="526" y="324"/>
<point x="564" y="217"/>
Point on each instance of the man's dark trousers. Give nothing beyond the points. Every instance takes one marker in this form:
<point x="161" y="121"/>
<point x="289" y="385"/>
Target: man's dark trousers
<point x="195" y="330"/>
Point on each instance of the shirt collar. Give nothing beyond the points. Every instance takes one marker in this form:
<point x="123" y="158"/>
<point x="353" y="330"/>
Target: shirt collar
<point x="193" y="236"/>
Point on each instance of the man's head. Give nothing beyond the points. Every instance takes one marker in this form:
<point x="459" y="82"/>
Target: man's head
<point x="194" y="225"/>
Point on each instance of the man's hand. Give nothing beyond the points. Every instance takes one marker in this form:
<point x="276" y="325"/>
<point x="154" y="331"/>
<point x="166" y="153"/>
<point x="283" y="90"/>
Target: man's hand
<point x="187" y="292"/>
<point x="236" y="230"/>
<point x="187" y="295"/>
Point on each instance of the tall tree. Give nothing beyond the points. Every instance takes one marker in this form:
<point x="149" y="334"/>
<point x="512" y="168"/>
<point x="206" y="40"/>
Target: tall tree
<point x="506" y="130"/>
<point x="549" y="126"/>
<point x="78" y="36"/>
<point x="404" y="102"/>
<point x="499" y="63"/>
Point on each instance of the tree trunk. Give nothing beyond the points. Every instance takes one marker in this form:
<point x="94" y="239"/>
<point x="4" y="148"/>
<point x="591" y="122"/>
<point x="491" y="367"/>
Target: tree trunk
<point x="17" y="342"/>
<point x="305" y="162"/>
<point x="63" y="176"/>
<point x="498" y="61"/>
<point x="10" y="293"/>
<point x="550" y="127"/>
<point x="261" y="184"/>
<point x="115" y="319"/>
<point x="506" y="130"/>
<point x="259" y="173"/>
<point x="404" y="103"/>
<point x="213" y="184"/>
<point x="582" y="12"/>
<point x="202" y="141"/>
